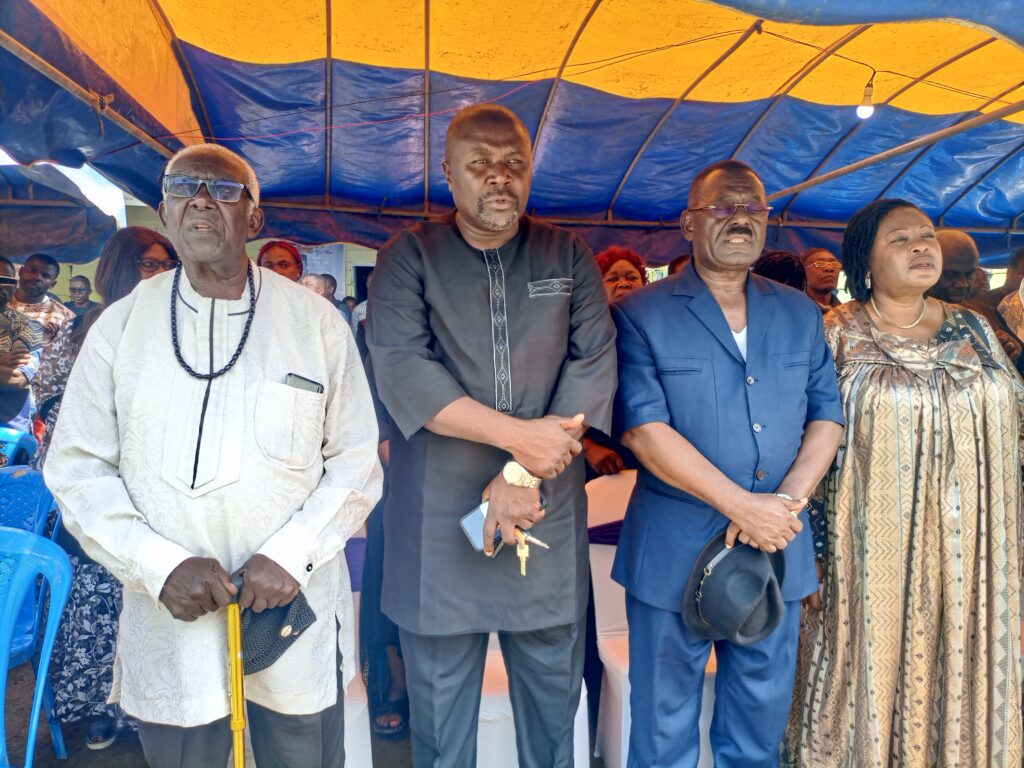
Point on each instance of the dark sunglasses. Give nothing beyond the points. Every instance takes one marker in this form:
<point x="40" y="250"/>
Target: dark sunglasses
<point x="4" y="280"/>
<point x="221" y="190"/>
<point x="78" y="290"/>
<point x="728" y="211"/>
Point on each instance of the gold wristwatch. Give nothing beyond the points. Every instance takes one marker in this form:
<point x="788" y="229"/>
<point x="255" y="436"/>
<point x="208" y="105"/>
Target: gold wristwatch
<point x="518" y="475"/>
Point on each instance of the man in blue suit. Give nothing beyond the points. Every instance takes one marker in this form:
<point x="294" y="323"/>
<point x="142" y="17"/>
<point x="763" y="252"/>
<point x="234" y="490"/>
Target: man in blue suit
<point x="727" y="395"/>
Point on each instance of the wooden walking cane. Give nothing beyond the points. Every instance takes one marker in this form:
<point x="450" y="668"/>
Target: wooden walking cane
<point x="237" y="689"/>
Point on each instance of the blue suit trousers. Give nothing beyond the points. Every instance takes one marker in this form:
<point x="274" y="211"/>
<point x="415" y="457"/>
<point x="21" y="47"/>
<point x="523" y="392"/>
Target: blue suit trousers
<point x="753" y="690"/>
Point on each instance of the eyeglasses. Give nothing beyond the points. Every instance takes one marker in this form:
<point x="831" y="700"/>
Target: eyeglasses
<point x="157" y="265"/>
<point x="78" y="290"/>
<point x="4" y="280"/>
<point x="728" y="211"/>
<point x="833" y="265"/>
<point x="221" y="190"/>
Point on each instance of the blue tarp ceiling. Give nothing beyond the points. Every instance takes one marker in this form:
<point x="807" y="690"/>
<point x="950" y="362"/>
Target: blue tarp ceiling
<point x="341" y="106"/>
<point x="41" y="210"/>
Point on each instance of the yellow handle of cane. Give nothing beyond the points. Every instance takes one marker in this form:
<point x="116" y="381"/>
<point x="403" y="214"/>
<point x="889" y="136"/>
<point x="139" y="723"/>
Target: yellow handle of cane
<point x="237" y="692"/>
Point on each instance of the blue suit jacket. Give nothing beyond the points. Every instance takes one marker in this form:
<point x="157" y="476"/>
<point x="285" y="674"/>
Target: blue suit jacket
<point x="679" y="364"/>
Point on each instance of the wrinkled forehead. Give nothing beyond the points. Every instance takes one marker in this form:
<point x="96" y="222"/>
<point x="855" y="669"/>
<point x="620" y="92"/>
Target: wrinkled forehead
<point x="208" y="165"/>
<point x="730" y="186"/>
<point x="487" y="131"/>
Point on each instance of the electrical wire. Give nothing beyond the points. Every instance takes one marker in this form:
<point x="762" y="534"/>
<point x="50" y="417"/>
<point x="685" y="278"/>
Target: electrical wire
<point x="575" y="69"/>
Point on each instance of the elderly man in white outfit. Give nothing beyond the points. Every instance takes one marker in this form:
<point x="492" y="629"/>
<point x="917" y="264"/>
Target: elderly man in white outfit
<point x="218" y="421"/>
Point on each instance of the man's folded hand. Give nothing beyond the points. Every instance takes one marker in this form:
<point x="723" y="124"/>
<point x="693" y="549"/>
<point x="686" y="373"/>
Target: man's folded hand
<point x="266" y="584"/>
<point x="199" y="585"/>
<point x="546" y="446"/>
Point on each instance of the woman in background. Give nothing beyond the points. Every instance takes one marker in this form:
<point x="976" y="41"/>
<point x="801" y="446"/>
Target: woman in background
<point x="82" y="665"/>
<point x="282" y="257"/>
<point x="623" y="271"/>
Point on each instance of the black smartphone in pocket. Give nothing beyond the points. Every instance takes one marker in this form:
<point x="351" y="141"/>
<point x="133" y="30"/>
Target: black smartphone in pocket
<point x="473" y="526"/>
<point x="301" y="382"/>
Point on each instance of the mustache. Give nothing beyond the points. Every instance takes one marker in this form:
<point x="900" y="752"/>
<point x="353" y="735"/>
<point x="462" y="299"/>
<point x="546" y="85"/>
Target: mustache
<point x="500" y="193"/>
<point x="739" y="229"/>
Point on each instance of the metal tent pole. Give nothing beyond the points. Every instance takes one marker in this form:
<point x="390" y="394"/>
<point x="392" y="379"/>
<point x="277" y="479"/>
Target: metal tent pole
<point x="94" y="100"/>
<point x="910" y="146"/>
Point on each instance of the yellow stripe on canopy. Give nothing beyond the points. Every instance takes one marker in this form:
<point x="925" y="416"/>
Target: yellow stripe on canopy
<point x="630" y="48"/>
<point x="129" y="42"/>
<point x="255" y="31"/>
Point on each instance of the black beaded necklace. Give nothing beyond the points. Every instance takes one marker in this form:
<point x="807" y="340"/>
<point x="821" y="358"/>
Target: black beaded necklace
<point x="241" y="343"/>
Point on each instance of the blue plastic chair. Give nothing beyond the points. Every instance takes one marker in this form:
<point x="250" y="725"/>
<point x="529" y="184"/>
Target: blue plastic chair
<point x="19" y="447"/>
<point x="24" y="557"/>
<point x="25" y="504"/>
<point x="25" y="501"/>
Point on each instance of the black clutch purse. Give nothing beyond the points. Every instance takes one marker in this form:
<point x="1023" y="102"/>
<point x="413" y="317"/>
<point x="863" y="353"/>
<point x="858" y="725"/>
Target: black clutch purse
<point x="267" y="635"/>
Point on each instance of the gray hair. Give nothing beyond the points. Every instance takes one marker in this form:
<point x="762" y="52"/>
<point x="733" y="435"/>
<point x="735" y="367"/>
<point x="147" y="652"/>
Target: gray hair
<point x="251" y="183"/>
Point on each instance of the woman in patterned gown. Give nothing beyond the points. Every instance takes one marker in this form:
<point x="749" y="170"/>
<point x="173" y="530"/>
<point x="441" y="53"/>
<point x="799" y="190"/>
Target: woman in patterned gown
<point x="912" y="659"/>
<point x="83" y="657"/>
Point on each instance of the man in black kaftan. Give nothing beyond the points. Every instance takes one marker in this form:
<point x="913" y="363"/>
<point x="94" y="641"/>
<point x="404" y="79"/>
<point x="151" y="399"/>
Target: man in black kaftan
<point x="493" y="349"/>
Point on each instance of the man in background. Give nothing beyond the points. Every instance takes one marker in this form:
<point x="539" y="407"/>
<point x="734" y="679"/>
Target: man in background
<point x="979" y="283"/>
<point x="35" y="279"/>
<point x="21" y="342"/>
<point x="959" y="260"/>
<point x="359" y="311"/>
<point x="332" y="289"/>
<point x="677" y="264"/>
<point x="1014" y="273"/>
<point x="80" y="289"/>
<point x="315" y="283"/>
<point x="822" y="270"/>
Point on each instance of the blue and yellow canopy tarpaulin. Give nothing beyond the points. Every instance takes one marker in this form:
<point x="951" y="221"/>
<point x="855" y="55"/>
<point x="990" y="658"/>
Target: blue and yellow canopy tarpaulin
<point x="42" y="210"/>
<point x="342" y="105"/>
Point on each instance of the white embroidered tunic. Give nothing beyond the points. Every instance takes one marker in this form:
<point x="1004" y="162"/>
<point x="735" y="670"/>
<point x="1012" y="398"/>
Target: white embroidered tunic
<point x="145" y="480"/>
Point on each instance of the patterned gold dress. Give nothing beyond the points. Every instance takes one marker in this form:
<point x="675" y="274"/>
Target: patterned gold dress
<point x="913" y="661"/>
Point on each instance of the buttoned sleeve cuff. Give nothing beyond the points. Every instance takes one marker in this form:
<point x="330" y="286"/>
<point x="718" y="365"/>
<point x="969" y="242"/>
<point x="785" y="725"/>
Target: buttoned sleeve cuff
<point x="292" y="553"/>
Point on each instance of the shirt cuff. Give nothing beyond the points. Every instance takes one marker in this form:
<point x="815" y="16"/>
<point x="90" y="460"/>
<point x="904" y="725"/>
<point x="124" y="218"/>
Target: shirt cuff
<point x="28" y="371"/>
<point x="159" y="560"/>
<point x="290" y="554"/>
<point x="828" y="412"/>
<point x="645" y="416"/>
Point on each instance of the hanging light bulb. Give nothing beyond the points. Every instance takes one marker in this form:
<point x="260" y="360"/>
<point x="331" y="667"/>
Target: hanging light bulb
<point x="866" y="108"/>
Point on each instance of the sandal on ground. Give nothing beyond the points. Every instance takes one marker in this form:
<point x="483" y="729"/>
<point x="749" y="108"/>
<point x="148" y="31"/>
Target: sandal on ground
<point x="389" y="710"/>
<point x="100" y="733"/>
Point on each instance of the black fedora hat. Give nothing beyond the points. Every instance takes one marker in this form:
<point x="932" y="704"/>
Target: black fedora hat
<point x="734" y="594"/>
